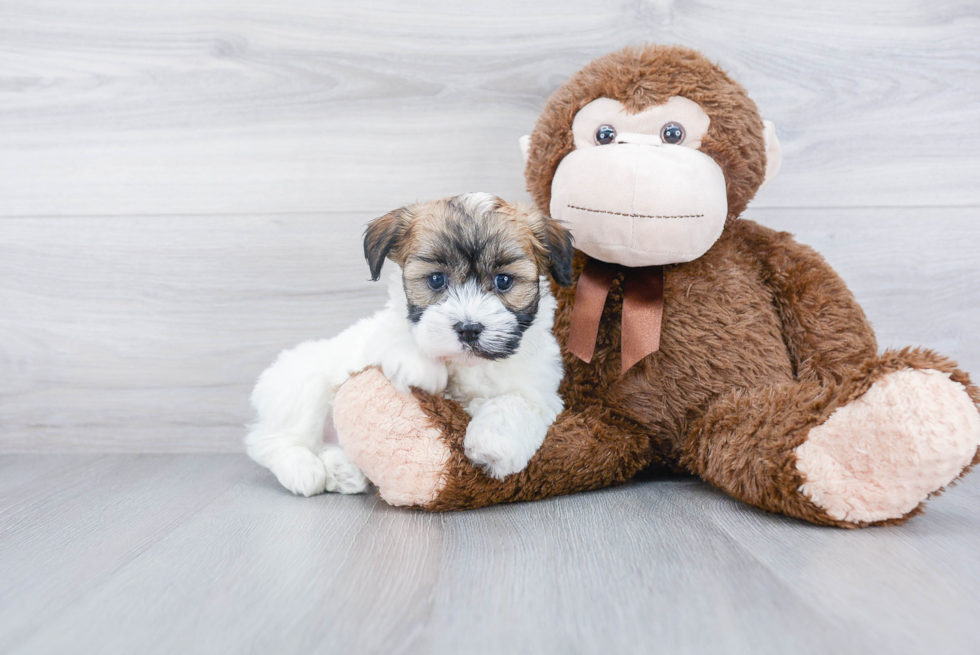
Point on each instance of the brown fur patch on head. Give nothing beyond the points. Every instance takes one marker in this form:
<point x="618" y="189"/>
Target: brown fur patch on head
<point x="648" y="76"/>
<point x="471" y="237"/>
<point x="550" y="241"/>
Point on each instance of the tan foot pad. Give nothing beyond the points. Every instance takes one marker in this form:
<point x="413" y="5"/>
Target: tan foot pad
<point x="880" y="456"/>
<point x="388" y="436"/>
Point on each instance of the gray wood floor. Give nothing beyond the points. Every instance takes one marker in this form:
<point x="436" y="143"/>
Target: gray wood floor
<point x="206" y="554"/>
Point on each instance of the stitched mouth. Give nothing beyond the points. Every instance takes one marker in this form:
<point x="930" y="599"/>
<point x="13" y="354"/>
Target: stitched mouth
<point x="603" y="211"/>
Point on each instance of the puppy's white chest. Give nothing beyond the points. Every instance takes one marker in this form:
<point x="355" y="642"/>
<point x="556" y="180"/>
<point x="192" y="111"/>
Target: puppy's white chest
<point x="468" y="382"/>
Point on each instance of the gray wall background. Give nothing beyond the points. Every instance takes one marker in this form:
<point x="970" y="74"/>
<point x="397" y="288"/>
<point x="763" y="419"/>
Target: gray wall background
<point x="183" y="185"/>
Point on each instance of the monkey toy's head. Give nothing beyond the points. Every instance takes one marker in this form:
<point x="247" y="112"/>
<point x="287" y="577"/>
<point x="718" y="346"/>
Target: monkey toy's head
<point x="646" y="152"/>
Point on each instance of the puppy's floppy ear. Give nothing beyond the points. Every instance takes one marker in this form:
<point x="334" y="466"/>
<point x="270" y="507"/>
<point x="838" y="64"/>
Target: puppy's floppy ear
<point x="382" y="236"/>
<point x="558" y="241"/>
<point x="554" y="242"/>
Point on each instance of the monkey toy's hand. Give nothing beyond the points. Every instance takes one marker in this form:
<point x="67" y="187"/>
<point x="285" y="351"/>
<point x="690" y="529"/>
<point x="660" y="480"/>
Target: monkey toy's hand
<point x="406" y="366"/>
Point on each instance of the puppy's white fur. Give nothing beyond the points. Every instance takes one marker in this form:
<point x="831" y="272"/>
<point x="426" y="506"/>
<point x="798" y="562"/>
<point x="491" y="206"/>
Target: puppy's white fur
<point x="512" y="401"/>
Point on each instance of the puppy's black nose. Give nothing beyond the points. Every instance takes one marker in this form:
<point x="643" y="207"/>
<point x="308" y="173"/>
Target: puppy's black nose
<point x="469" y="332"/>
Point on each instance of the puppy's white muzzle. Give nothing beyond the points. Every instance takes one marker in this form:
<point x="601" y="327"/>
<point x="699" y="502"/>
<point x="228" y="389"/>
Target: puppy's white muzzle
<point x="468" y="322"/>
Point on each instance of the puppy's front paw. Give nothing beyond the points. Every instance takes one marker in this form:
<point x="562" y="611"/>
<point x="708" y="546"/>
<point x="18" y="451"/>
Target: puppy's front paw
<point x="407" y="368"/>
<point x="342" y="476"/>
<point x="300" y="471"/>
<point x="501" y="443"/>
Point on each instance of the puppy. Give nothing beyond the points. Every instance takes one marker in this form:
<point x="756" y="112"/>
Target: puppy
<point x="469" y="314"/>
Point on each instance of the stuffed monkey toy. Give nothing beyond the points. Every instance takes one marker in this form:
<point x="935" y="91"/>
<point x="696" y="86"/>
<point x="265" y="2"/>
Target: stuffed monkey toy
<point x="693" y="340"/>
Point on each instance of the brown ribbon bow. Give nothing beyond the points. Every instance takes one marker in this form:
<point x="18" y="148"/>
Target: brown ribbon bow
<point x="643" y="309"/>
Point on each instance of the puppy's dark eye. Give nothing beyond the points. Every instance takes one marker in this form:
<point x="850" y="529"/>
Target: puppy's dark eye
<point x="672" y="133"/>
<point x="436" y="281"/>
<point x="503" y="282"/>
<point x="605" y="135"/>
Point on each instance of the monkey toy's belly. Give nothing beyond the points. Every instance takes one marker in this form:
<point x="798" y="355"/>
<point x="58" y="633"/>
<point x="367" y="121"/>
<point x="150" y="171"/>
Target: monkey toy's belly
<point x="721" y="331"/>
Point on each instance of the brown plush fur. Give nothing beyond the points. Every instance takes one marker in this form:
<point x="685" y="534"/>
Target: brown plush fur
<point x="761" y="340"/>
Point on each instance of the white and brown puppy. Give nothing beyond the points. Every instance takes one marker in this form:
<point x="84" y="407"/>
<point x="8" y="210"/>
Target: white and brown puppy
<point x="470" y="314"/>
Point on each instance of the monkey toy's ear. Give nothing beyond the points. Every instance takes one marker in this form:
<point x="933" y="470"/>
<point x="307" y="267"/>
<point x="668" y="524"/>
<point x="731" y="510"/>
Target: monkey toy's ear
<point x="774" y="154"/>
<point x="525" y="143"/>
<point x="382" y="236"/>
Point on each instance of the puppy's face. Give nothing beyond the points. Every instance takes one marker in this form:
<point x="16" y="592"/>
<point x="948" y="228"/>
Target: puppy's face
<point x="471" y="268"/>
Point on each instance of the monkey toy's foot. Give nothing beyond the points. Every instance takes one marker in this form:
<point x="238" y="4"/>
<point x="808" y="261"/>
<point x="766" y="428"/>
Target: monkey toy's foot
<point x="394" y="444"/>
<point x="878" y="457"/>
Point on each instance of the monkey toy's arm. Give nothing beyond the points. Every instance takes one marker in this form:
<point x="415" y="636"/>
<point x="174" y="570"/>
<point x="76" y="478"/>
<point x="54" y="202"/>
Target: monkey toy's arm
<point x="412" y="448"/>
<point x="825" y="329"/>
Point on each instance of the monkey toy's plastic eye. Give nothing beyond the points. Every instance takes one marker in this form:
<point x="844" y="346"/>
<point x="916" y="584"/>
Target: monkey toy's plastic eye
<point x="672" y="133"/>
<point x="436" y="281"/>
<point x="503" y="282"/>
<point x="606" y="134"/>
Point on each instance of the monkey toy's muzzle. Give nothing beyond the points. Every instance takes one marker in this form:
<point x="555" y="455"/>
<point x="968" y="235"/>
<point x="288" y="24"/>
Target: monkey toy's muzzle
<point x="637" y="202"/>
